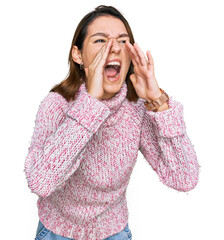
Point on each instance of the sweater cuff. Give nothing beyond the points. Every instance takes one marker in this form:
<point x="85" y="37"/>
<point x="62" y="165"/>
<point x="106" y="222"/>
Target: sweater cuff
<point x="168" y="123"/>
<point x="88" y="111"/>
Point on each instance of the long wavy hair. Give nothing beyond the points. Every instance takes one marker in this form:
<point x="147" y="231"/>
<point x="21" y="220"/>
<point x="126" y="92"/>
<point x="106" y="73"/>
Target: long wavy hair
<point x="75" y="77"/>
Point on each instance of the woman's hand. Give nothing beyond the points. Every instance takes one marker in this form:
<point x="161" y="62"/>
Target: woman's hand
<point x="143" y="79"/>
<point x="94" y="72"/>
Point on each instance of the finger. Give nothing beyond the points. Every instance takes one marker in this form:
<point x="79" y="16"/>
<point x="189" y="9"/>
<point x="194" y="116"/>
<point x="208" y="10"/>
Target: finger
<point x="141" y="55"/>
<point x="133" y="78"/>
<point x="133" y="54"/>
<point x="150" y="59"/>
<point x="106" y="52"/>
<point x="102" y="55"/>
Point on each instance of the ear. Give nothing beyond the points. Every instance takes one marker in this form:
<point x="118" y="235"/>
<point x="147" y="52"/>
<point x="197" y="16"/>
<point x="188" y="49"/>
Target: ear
<point x="76" y="55"/>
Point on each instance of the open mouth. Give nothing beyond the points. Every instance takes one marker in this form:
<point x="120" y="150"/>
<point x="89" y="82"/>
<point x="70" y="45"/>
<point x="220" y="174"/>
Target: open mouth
<point x="112" y="70"/>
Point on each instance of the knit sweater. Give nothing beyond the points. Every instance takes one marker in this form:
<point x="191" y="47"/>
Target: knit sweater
<point x="83" y="152"/>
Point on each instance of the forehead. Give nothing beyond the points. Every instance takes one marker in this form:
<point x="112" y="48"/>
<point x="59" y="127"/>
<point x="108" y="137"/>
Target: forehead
<point x="107" y="24"/>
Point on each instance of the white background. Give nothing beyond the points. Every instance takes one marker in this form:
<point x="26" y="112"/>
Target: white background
<point x="186" y="41"/>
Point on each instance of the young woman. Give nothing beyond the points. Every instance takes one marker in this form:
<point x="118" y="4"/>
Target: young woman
<point x="89" y="129"/>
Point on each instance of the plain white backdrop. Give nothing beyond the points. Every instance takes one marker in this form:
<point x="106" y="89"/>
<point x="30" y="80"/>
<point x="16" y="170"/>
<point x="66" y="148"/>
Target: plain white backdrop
<point x="186" y="41"/>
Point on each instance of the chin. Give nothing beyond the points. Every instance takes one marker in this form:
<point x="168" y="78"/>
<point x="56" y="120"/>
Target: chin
<point x="111" y="88"/>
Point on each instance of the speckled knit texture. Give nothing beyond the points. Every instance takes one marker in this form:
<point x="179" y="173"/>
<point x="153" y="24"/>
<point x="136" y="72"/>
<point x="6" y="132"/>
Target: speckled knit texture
<point x="83" y="152"/>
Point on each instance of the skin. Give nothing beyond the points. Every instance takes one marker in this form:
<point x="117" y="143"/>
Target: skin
<point x="107" y="40"/>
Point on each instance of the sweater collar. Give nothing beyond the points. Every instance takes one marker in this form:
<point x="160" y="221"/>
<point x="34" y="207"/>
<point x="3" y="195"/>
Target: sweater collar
<point x="114" y="102"/>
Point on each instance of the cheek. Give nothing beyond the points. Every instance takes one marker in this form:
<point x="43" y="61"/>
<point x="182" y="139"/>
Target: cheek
<point x="89" y="55"/>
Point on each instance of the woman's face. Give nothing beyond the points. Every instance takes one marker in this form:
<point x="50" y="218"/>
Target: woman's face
<point x="99" y="32"/>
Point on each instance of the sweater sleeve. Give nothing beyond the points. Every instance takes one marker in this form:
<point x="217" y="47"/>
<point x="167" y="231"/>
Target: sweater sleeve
<point x="166" y="146"/>
<point x="59" y="139"/>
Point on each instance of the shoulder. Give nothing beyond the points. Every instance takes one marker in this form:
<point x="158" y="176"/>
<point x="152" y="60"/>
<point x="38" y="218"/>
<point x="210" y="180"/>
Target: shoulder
<point x="138" y="106"/>
<point x="53" y="104"/>
<point x="137" y="109"/>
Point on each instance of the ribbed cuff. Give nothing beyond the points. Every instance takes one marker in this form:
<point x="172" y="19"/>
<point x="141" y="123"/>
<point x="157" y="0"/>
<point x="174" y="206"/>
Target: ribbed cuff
<point x="168" y="123"/>
<point x="88" y="111"/>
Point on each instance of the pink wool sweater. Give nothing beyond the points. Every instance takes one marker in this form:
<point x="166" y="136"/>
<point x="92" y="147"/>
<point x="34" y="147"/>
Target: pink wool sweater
<point x="83" y="152"/>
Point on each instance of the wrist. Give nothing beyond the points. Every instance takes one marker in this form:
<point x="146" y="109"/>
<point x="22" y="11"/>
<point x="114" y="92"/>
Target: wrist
<point x="155" y="96"/>
<point x="159" y="103"/>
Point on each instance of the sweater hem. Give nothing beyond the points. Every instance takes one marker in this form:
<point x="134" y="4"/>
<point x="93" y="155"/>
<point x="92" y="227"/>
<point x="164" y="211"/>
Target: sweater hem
<point x="111" y="221"/>
<point x="78" y="232"/>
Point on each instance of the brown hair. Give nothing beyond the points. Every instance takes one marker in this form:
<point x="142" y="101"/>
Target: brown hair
<point x="70" y="85"/>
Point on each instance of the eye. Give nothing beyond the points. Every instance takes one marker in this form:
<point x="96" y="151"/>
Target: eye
<point x="99" y="41"/>
<point x="123" y="41"/>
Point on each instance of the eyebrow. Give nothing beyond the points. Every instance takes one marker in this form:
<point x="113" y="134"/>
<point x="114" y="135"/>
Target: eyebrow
<point x="107" y="35"/>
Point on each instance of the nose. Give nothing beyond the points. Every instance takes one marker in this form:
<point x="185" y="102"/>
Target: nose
<point x="115" y="47"/>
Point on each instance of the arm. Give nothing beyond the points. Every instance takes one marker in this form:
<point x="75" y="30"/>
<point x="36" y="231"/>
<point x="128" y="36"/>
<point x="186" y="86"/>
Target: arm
<point x="166" y="146"/>
<point x="59" y="140"/>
